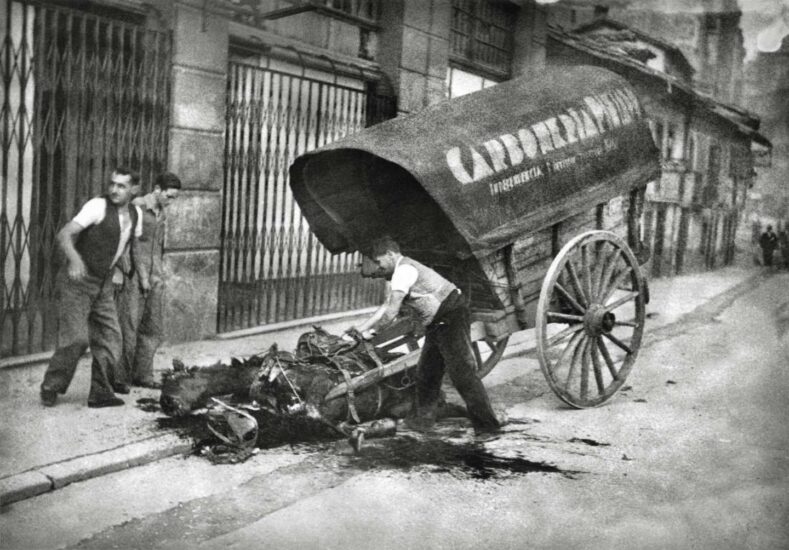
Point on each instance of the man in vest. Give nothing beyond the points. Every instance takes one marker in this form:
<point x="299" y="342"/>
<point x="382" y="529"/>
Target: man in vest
<point x="92" y="243"/>
<point x="442" y="310"/>
<point x="141" y="300"/>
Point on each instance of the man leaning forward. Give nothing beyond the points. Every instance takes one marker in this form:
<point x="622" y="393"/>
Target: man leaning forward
<point x="92" y="243"/>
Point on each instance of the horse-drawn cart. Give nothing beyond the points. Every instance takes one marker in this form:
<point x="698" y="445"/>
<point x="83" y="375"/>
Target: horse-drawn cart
<point x="527" y="196"/>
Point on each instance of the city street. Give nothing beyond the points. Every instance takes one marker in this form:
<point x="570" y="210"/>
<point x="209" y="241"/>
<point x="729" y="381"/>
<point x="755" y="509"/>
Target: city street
<point x="692" y="453"/>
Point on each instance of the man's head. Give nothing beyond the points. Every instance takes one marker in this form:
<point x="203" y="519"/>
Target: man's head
<point x="166" y="188"/>
<point x="121" y="186"/>
<point x="769" y="228"/>
<point x="383" y="253"/>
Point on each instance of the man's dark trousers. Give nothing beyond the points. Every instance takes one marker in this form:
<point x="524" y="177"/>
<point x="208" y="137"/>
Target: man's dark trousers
<point x="767" y="256"/>
<point x="448" y="346"/>
<point x="86" y="317"/>
<point x="142" y="323"/>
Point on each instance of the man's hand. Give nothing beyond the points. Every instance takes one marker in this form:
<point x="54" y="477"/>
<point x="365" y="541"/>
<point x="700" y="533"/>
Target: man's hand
<point x="353" y="335"/>
<point x="145" y="285"/>
<point x="76" y="269"/>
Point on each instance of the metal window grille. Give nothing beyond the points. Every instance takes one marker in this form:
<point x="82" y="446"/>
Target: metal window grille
<point x="481" y="35"/>
<point x="81" y="94"/>
<point x="273" y="269"/>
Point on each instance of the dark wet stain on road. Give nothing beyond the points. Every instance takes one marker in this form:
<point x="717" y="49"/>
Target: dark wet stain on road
<point x="587" y="441"/>
<point x="470" y="460"/>
<point x="149" y="404"/>
<point x="188" y="427"/>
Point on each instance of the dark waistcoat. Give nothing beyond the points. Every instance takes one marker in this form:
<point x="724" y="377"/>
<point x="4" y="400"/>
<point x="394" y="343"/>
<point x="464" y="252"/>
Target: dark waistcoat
<point x="98" y="243"/>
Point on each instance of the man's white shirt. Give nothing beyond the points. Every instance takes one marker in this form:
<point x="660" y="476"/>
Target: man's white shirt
<point x="404" y="277"/>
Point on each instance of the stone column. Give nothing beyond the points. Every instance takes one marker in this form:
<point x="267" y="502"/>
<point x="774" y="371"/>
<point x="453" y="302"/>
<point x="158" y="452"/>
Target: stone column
<point x="192" y="240"/>
<point x="529" y="38"/>
<point x="414" y="50"/>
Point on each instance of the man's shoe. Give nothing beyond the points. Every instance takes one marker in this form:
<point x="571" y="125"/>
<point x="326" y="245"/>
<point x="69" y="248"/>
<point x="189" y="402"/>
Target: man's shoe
<point x="106" y="402"/>
<point x="148" y="383"/>
<point x="121" y="388"/>
<point x="493" y="429"/>
<point x="48" y="397"/>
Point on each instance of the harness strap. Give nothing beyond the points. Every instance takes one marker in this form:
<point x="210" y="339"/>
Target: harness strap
<point x="349" y="395"/>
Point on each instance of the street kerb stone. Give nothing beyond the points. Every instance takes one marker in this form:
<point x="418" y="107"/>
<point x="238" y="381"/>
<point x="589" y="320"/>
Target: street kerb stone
<point x="23" y="486"/>
<point x="120" y="458"/>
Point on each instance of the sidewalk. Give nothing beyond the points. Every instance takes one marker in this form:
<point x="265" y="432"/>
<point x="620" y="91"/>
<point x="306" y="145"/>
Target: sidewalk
<point x="42" y="449"/>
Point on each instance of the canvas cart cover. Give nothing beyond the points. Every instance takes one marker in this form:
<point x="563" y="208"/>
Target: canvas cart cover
<point x="469" y="175"/>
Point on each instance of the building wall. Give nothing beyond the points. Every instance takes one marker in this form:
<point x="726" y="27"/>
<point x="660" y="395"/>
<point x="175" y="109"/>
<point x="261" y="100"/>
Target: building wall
<point x="411" y="49"/>
<point x="689" y="211"/>
<point x="414" y="50"/>
<point x="710" y="38"/>
<point x="767" y="94"/>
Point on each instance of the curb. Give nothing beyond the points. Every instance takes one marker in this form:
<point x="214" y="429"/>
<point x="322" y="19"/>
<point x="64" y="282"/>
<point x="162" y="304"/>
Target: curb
<point x="55" y="476"/>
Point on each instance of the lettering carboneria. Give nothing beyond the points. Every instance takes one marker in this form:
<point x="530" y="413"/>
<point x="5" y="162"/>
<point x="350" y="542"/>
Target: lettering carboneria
<point x="593" y="116"/>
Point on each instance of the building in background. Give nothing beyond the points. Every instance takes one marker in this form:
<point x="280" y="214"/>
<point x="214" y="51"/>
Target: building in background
<point x="707" y="32"/>
<point x="225" y="93"/>
<point x="693" y="211"/>
<point x="767" y="93"/>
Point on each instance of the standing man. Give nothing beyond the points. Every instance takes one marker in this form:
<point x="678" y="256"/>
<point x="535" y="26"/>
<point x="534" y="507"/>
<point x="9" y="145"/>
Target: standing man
<point x="443" y="311"/>
<point x="769" y="242"/>
<point x="783" y="241"/>
<point x="141" y="300"/>
<point x="93" y="241"/>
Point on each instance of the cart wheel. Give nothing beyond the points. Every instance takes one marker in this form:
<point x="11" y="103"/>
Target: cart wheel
<point x="590" y="318"/>
<point x="488" y="352"/>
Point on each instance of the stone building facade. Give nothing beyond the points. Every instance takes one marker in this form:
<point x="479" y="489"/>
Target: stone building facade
<point x="767" y="93"/>
<point x="225" y="93"/>
<point x="693" y="210"/>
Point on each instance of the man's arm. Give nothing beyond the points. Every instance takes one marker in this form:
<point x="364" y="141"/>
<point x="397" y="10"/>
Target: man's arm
<point x="142" y="250"/>
<point x="385" y="314"/>
<point x="143" y="247"/>
<point x="66" y="236"/>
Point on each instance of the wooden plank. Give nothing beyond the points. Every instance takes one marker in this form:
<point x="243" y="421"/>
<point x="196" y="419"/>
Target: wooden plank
<point x="376" y="375"/>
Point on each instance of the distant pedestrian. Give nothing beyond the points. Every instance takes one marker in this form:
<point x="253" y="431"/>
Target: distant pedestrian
<point x="769" y="242"/>
<point x="783" y="242"/>
<point x="93" y="242"/>
<point x="141" y="301"/>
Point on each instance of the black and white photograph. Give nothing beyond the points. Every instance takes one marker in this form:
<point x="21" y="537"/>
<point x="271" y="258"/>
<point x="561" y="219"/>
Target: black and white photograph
<point x="394" y="274"/>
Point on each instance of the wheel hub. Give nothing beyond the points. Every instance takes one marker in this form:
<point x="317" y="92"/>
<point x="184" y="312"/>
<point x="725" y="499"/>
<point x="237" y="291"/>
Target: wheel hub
<point x="598" y="321"/>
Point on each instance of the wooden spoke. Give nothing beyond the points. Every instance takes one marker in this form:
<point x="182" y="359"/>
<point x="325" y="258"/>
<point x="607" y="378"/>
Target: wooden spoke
<point x="585" y="369"/>
<point x="618" y="342"/>
<point x="620" y="278"/>
<point x="598" y="270"/>
<point x="607" y="357"/>
<point x="623" y="300"/>
<point x="576" y="284"/>
<point x="563" y="334"/>
<point x="598" y="368"/>
<point x="484" y="366"/>
<point x="626" y="324"/>
<point x="608" y="272"/>
<point x="570" y="349"/>
<point x="587" y="273"/>
<point x="477" y="354"/>
<point x="569" y="298"/>
<point x="574" y="361"/>
<point x="565" y="317"/>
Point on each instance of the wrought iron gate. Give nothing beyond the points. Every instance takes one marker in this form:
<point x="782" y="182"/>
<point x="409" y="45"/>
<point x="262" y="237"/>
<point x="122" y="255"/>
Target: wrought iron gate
<point x="81" y="94"/>
<point x="273" y="269"/>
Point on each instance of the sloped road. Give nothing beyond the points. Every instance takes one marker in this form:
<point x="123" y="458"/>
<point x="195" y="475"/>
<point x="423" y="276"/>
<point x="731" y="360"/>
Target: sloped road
<point x="694" y="455"/>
